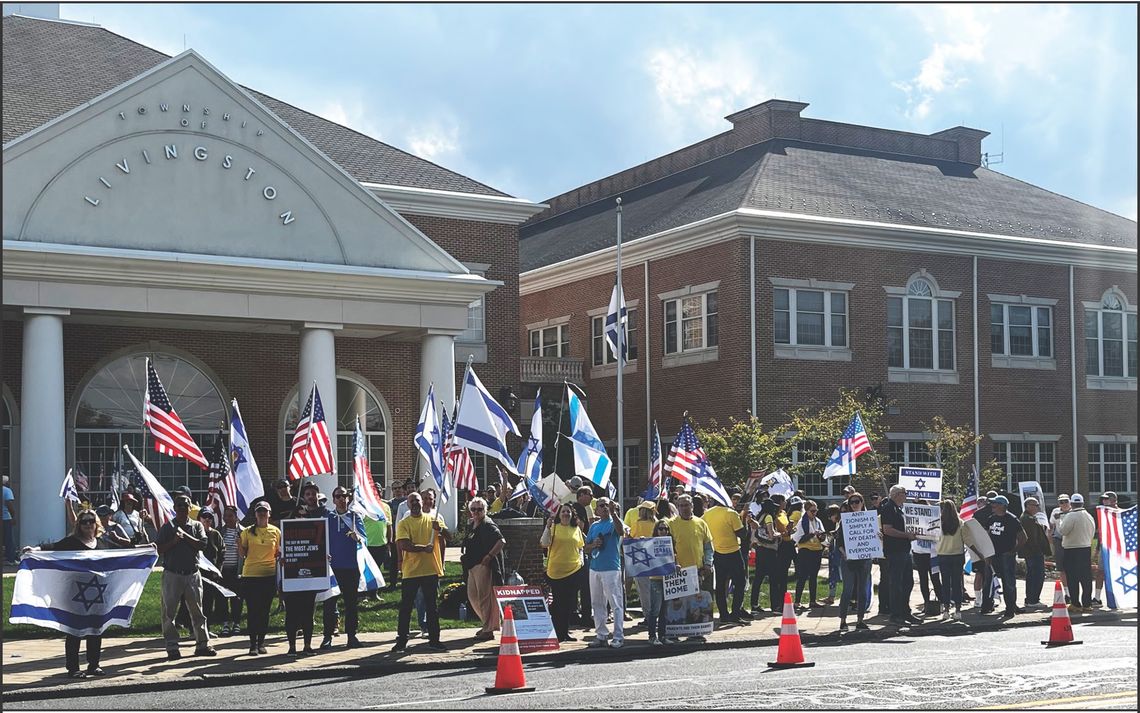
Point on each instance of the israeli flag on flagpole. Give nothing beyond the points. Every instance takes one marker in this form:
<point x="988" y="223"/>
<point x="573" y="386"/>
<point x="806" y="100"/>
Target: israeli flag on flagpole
<point x="616" y="325"/>
<point x="242" y="464"/>
<point x="80" y="593"/>
<point x="429" y="442"/>
<point x="482" y="424"/>
<point x="371" y="578"/>
<point x="590" y="457"/>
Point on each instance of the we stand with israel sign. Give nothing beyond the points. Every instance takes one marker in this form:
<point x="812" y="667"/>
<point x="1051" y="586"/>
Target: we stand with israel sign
<point x="922" y="483"/>
<point x="649" y="556"/>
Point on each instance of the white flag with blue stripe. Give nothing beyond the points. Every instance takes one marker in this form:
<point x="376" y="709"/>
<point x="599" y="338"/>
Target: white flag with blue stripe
<point x="590" y="457"/>
<point x="371" y="578"/>
<point x="482" y="424"/>
<point x="429" y="442"/>
<point x="617" y="325"/>
<point x="244" y="467"/>
<point x="530" y="460"/>
<point x="80" y="593"/>
<point x="67" y="489"/>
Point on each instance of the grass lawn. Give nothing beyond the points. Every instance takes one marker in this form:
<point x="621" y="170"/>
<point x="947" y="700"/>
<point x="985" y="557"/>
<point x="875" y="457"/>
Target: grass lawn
<point x="374" y="616"/>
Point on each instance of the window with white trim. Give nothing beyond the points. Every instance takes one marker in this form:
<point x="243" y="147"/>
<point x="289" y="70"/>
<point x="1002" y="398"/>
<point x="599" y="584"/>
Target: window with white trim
<point x="1110" y="338"/>
<point x="914" y="454"/>
<point x="631" y="468"/>
<point x="550" y="341"/>
<point x="476" y="326"/>
<point x="1112" y="466"/>
<point x="691" y="323"/>
<point x="810" y="317"/>
<point x="920" y="329"/>
<point x="600" y="351"/>
<point x="1027" y="460"/>
<point x="1021" y="330"/>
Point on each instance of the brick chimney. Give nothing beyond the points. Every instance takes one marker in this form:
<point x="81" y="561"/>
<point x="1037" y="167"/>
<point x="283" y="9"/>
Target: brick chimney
<point x="775" y="118"/>
<point x="969" y="142"/>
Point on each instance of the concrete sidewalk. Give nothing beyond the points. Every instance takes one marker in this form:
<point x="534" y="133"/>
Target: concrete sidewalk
<point x="33" y="668"/>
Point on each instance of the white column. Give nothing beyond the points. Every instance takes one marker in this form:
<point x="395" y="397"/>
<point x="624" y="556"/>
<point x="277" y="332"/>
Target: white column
<point x="43" y="438"/>
<point x="437" y="366"/>
<point x="318" y="363"/>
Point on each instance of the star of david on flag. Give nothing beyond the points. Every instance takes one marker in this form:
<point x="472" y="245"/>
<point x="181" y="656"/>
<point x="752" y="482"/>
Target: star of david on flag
<point x="852" y="444"/>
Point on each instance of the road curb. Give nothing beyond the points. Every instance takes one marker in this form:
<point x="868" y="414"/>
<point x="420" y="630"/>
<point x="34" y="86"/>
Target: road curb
<point x="488" y="662"/>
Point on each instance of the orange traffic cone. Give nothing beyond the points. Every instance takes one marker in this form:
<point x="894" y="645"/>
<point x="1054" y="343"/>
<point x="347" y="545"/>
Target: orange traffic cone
<point x="791" y="653"/>
<point x="509" y="676"/>
<point x="1060" y="626"/>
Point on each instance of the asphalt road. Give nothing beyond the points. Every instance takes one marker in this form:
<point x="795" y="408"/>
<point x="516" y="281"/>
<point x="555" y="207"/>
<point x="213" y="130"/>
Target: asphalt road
<point x="993" y="669"/>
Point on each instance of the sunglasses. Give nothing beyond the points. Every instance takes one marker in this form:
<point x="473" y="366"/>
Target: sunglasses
<point x="86" y="522"/>
<point x="476" y="509"/>
<point x="340" y="495"/>
<point x="856" y="502"/>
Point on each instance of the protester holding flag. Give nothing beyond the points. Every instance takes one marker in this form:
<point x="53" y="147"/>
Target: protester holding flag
<point x="856" y="573"/>
<point x="563" y="540"/>
<point x="834" y="554"/>
<point x="260" y="546"/>
<point x="603" y="545"/>
<point x="231" y="531"/>
<point x="951" y="553"/>
<point x="1107" y="500"/>
<point x="346" y="535"/>
<point x="212" y="600"/>
<point x="131" y="520"/>
<point x="480" y="560"/>
<point x="179" y="542"/>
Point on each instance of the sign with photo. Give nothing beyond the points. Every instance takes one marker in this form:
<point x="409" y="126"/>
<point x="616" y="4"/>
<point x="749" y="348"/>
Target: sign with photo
<point x="304" y="555"/>
<point x="922" y="483"/>
<point x="861" y="535"/>
<point x="1031" y="489"/>
<point x="533" y="625"/>
<point x="689" y="616"/>
<point x="684" y="582"/>
<point x="923" y="521"/>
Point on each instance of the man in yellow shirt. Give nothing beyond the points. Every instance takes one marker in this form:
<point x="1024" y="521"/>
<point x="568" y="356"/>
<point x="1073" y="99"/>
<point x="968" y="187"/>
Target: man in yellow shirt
<point x="726" y="527"/>
<point x="419" y="536"/>
<point x="693" y="544"/>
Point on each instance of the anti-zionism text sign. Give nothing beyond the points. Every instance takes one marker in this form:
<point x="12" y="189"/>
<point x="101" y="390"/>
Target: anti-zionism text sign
<point x="861" y="536"/>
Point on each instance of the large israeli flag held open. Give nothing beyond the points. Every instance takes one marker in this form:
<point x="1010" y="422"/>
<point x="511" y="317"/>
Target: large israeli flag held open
<point x="590" y="457"/>
<point x="482" y="424"/>
<point x="246" y="474"/>
<point x="371" y="578"/>
<point x="80" y="593"/>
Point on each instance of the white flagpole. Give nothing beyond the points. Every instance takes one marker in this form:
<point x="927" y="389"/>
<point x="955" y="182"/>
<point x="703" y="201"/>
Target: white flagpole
<point x="620" y="352"/>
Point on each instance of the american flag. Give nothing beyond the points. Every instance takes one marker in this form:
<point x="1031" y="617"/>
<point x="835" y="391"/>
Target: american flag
<point x="690" y="465"/>
<point x="456" y="460"/>
<point x="655" y="464"/>
<point x="970" y="501"/>
<point x="170" y="434"/>
<point x="312" y="452"/>
<point x="223" y="484"/>
<point x="852" y="444"/>
<point x="1117" y="529"/>
<point x="146" y="497"/>
<point x="365" y="496"/>
<point x="81" y="483"/>
<point x="1118" y="556"/>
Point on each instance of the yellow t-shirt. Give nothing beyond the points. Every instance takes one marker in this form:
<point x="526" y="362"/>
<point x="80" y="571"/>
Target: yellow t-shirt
<point x="564" y="557"/>
<point x="642" y="528"/>
<point x="419" y="531"/>
<point x="782" y="520"/>
<point x="689" y="538"/>
<point x="261" y="551"/>
<point x="723" y="523"/>
<point x="813" y="544"/>
<point x="630" y="517"/>
<point x="495" y="506"/>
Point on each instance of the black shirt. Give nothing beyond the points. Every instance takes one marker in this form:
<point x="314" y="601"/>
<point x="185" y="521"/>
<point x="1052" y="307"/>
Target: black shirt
<point x="479" y="543"/>
<point x="891" y="514"/>
<point x="73" y="543"/>
<point x="182" y="558"/>
<point x="1003" y="532"/>
<point x="282" y="509"/>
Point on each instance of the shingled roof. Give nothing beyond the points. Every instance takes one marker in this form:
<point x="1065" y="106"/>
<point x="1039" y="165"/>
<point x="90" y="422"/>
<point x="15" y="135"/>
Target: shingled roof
<point x="812" y="178"/>
<point x="51" y="67"/>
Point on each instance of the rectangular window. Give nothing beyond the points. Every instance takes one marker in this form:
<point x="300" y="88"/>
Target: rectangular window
<point x="691" y="323"/>
<point x="1112" y="466"/>
<point x="600" y="349"/>
<point x="550" y="341"/>
<point x="920" y="333"/>
<point x="631" y="467"/>
<point x="808" y="459"/>
<point x="810" y="317"/>
<point x="910" y="453"/>
<point x="1024" y="461"/>
<point x="1017" y="330"/>
<point x="1110" y="343"/>
<point x="476" y="331"/>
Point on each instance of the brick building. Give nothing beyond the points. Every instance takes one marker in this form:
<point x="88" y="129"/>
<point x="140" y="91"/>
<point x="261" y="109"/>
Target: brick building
<point x="788" y="256"/>
<point x="152" y="207"/>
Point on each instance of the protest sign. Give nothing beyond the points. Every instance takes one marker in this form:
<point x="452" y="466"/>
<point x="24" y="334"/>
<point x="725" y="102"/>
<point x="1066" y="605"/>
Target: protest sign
<point x="304" y="555"/>
<point x="649" y="556"/>
<point x="779" y="483"/>
<point x="924" y="521"/>
<point x="689" y="616"/>
<point x="533" y="626"/>
<point x="861" y="535"/>
<point x="922" y="483"/>
<point x="1031" y="489"/>
<point x="681" y="583"/>
<point x="979" y="546"/>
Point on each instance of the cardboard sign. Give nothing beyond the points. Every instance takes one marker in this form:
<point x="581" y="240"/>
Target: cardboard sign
<point x="304" y="555"/>
<point x="922" y="483"/>
<point x="684" y="582"/>
<point x="1031" y="489"/>
<point x="649" y="556"/>
<point x="861" y="537"/>
<point x="979" y="546"/>
<point x="924" y="521"/>
<point x="689" y="616"/>
<point x="533" y="625"/>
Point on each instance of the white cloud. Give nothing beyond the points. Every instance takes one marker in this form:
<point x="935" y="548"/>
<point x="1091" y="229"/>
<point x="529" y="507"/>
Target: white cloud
<point x="436" y="141"/>
<point x="696" y="89"/>
<point x="351" y="113"/>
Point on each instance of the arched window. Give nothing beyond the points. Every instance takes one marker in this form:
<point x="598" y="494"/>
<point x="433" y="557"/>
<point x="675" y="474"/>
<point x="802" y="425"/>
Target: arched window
<point x="354" y="399"/>
<point x="1110" y="337"/>
<point x="109" y="414"/>
<point x="920" y="326"/>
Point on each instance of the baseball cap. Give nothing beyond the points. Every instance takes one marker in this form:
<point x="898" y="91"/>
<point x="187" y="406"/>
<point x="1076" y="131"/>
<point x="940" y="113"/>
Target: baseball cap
<point x="648" y="505"/>
<point x="181" y="501"/>
<point x="128" y="498"/>
<point x="1000" y="500"/>
<point x="103" y="510"/>
<point x="184" y="489"/>
<point x="281" y="484"/>
<point x="263" y="506"/>
<point x="1031" y="500"/>
<point x="1077" y="499"/>
<point x="1062" y="498"/>
<point x="1108" y="494"/>
<point x="207" y="512"/>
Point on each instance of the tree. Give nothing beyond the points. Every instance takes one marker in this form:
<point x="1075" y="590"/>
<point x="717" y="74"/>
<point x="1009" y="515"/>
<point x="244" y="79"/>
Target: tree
<point x="953" y="448"/>
<point x="737" y="449"/>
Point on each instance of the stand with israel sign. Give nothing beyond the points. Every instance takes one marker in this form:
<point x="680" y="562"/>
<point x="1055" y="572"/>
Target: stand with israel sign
<point x="649" y="556"/>
<point x="924" y="521"/>
<point x="922" y="483"/>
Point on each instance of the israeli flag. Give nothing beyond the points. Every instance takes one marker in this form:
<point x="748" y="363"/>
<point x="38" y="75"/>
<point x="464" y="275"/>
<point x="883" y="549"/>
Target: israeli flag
<point x="371" y="578"/>
<point x="649" y="556"/>
<point x="80" y="593"/>
<point x="617" y="321"/>
<point x="67" y="489"/>
<point x="429" y="442"/>
<point x="242" y="464"/>
<point x="530" y="461"/>
<point x="482" y="424"/>
<point x="590" y="458"/>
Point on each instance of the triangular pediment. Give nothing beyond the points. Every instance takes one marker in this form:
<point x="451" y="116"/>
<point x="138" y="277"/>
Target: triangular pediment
<point x="181" y="159"/>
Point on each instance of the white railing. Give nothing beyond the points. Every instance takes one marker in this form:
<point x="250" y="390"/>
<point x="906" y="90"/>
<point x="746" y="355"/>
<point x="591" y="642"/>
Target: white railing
<point x="550" y="370"/>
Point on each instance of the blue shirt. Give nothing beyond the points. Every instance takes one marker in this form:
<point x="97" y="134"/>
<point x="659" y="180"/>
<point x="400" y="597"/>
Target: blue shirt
<point x="8" y="497"/>
<point x="606" y="558"/>
<point x="342" y="548"/>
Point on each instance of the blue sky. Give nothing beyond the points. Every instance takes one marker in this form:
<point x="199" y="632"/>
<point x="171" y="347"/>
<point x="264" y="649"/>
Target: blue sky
<point x="539" y="99"/>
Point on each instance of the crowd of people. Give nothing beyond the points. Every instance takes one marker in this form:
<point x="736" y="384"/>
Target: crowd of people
<point x="783" y="539"/>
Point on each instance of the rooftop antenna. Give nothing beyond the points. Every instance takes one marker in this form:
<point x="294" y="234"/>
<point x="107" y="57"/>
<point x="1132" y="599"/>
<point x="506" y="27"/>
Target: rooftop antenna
<point x="989" y="159"/>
